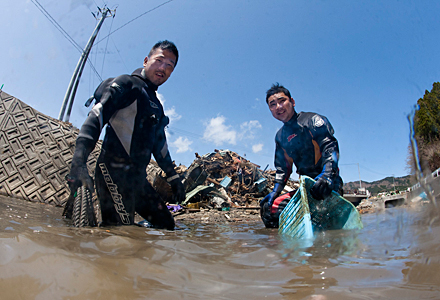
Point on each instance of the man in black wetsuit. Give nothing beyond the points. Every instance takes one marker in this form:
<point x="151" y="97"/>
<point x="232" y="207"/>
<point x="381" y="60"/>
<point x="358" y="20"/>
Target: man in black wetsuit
<point x="306" y="140"/>
<point x="135" y="129"/>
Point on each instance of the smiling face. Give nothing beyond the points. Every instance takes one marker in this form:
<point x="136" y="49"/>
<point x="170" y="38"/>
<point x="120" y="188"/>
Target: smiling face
<point x="159" y="66"/>
<point x="281" y="107"/>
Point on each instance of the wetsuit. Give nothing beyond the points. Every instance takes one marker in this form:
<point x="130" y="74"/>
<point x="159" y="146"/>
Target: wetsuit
<point x="135" y="129"/>
<point x="307" y="141"/>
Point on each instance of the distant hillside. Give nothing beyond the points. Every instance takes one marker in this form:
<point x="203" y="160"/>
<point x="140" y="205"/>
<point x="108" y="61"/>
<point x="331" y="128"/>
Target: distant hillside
<point x="386" y="184"/>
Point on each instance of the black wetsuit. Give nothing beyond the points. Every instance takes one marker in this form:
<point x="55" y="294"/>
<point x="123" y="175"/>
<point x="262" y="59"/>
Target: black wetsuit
<point x="306" y="141"/>
<point x="135" y="129"/>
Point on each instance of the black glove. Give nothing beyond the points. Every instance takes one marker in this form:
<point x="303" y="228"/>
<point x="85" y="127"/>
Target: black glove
<point x="78" y="176"/>
<point x="178" y="190"/>
<point x="272" y="195"/>
<point x="322" y="188"/>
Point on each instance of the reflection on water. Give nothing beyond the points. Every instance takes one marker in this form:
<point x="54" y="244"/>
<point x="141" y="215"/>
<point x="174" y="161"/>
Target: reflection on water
<point x="396" y="255"/>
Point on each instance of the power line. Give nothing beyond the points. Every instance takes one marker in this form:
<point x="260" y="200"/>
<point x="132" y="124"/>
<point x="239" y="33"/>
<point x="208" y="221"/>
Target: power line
<point x="63" y="32"/>
<point x="106" y="44"/>
<point x="55" y="23"/>
<point x="166" y="2"/>
<point x="75" y="44"/>
<point x="366" y="169"/>
<point x="181" y="131"/>
<point x="73" y="85"/>
<point x="119" y="53"/>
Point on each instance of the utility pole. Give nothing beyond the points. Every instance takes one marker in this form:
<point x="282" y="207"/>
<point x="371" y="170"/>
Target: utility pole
<point x="74" y="81"/>
<point x="360" y="181"/>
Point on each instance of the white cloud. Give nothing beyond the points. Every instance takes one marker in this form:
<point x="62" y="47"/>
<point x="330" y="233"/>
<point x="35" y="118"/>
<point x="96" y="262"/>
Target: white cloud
<point x="250" y="125"/>
<point x="257" y="103"/>
<point x="172" y="114"/>
<point x="160" y="97"/>
<point x="257" y="148"/>
<point x="182" y="144"/>
<point x="218" y="133"/>
<point x="247" y="129"/>
<point x="169" y="112"/>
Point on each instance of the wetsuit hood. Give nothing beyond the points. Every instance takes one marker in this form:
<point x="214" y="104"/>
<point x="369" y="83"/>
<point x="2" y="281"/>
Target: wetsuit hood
<point x="141" y="74"/>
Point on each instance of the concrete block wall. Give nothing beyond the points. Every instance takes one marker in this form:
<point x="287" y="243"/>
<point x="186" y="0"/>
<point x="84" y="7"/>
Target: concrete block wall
<point x="35" y="153"/>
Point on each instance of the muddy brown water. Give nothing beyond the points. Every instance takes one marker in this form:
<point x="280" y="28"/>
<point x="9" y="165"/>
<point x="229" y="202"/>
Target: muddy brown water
<point x="395" y="256"/>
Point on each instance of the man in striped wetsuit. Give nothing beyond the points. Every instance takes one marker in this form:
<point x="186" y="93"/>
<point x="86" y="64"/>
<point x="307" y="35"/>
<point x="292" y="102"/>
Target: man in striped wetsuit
<point x="305" y="140"/>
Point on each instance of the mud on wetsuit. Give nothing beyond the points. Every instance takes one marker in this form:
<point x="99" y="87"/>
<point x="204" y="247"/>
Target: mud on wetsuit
<point x="307" y="141"/>
<point x="135" y="121"/>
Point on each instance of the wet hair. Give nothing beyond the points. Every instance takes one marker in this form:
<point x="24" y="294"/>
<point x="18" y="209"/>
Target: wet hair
<point x="165" y="45"/>
<point x="275" y="89"/>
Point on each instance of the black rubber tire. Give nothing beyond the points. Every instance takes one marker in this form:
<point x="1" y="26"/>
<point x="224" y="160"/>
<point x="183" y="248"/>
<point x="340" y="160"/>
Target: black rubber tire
<point x="83" y="211"/>
<point x="76" y="215"/>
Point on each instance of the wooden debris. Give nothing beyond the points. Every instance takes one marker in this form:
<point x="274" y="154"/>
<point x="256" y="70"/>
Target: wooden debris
<point x="238" y="183"/>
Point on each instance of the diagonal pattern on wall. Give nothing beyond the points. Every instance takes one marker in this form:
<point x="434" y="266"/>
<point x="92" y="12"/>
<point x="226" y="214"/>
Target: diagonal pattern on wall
<point x="35" y="153"/>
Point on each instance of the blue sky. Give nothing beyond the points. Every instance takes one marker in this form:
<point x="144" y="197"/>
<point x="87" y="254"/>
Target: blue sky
<point x="362" y="64"/>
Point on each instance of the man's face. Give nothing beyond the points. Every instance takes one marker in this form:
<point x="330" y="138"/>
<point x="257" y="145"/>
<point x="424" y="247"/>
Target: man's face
<point x="159" y="66"/>
<point x="281" y="107"/>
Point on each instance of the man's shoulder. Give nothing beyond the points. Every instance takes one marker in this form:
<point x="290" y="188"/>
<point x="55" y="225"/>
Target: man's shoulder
<point x="280" y="130"/>
<point x="127" y="80"/>
<point x="285" y="129"/>
<point x="312" y="119"/>
<point x="123" y="84"/>
<point x="316" y="123"/>
<point x="307" y="115"/>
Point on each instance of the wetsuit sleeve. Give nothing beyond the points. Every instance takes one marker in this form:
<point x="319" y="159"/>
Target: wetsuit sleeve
<point x="160" y="150"/>
<point x="283" y="164"/>
<point x="110" y="96"/>
<point x="322" y="132"/>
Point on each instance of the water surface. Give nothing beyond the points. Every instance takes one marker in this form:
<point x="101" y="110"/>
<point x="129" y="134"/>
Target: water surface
<point x="395" y="256"/>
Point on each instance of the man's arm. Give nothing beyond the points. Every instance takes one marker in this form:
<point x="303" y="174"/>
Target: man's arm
<point x="160" y="149"/>
<point x="163" y="159"/>
<point x="328" y="146"/>
<point x="322" y="132"/>
<point x="108" y="95"/>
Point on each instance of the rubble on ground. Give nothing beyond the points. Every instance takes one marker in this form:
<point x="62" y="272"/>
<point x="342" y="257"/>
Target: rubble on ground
<point x="220" y="186"/>
<point x="214" y="216"/>
<point x="368" y="206"/>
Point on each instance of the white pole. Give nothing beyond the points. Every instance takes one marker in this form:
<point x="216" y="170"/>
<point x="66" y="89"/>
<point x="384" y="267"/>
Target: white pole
<point x="79" y="68"/>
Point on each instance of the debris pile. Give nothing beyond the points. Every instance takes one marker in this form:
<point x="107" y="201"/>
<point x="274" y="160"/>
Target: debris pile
<point x="221" y="180"/>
